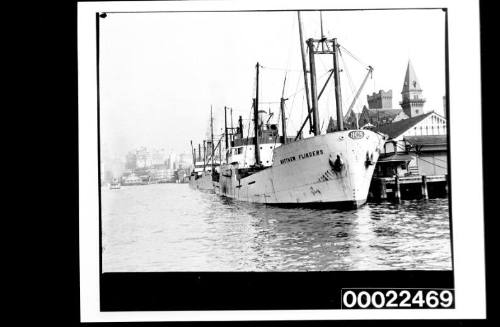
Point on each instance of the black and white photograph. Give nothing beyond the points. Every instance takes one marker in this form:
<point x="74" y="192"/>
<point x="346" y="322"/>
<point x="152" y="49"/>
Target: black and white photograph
<point x="273" y="141"/>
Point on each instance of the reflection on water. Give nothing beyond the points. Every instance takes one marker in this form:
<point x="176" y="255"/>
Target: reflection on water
<point x="170" y="227"/>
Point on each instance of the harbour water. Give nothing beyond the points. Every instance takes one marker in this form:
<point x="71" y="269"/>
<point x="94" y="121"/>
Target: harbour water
<point x="170" y="227"/>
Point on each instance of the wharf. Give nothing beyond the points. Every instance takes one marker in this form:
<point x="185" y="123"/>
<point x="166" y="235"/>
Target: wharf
<point x="408" y="187"/>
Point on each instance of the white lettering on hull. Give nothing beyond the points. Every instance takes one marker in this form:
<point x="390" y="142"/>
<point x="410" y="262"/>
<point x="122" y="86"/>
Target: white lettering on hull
<point x="301" y="156"/>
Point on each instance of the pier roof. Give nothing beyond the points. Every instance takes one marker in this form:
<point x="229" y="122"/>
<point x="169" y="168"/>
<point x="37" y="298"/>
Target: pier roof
<point x="383" y="113"/>
<point x="401" y="126"/>
<point x="428" y="142"/>
<point x="427" y="139"/>
<point x="396" y="158"/>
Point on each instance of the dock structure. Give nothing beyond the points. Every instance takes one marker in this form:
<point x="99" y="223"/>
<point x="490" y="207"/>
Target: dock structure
<point x="399" y="188"/>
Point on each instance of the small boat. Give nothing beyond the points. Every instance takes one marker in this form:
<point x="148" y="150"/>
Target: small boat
<point x="115" y="184"/>
<point x="132" y="179"/>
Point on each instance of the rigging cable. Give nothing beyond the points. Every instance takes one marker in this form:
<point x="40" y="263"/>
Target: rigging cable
<point x="281" y="69"/>
<point x="353" y="56"/>
<point x="431" y="163"/>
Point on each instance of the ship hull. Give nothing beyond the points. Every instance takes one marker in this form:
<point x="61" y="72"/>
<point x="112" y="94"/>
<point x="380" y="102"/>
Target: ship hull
<point x="304" y="173"/>
<point x="202" y="183"/>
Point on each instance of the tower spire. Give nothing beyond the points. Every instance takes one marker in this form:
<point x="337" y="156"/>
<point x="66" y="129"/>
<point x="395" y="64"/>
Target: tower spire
<point x="411" y="82"/>
<point x="412" y="99"/>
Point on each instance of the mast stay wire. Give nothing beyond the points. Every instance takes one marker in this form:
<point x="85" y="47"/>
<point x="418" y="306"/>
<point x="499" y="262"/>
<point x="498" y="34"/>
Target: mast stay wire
<point x="345" y="66"/>
<point x="281" y="69"/>
<point x="303" y="88"/>
<point x="353" y="56"/>
<point x="289" y="52"/>
<point x="293" y="95"/>
<point x="352" y="87"/>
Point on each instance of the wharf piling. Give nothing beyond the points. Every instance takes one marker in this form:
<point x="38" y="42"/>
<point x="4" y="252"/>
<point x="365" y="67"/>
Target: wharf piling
<point x="425" y="194"/>
<point x="399" y="188"/>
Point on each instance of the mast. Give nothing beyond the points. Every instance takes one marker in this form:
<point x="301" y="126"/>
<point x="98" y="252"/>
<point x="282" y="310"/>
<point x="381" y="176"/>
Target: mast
<point x="240" y="124"/>
<point x="220" y="153"/>
<point x="199" y="152"/>
<point x="322" y="34"/>
<point x="283" y="119"/>
<point x="314" y="96"/>
<point x="232" y="130"/>
<point x="204" y="155"/>
<point x="338" y="96"/>
<point x="225" y="132"/>
<point x="256" y="116"/>
<point x="282" y="108"/>
<point x="304" y="69"/>
<point x="193" y="152"/>
<point x="212" y="137"/>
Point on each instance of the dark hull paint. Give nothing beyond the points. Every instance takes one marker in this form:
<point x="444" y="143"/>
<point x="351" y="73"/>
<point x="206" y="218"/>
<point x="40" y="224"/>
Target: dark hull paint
<point x="343" y="205"/>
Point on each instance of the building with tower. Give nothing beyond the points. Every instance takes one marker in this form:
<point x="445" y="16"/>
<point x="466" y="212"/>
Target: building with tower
<point x="413" y="101"/>
<point x="380" y="100"/>
<point x="417" y="141"/>
<point x="379" y="111"/>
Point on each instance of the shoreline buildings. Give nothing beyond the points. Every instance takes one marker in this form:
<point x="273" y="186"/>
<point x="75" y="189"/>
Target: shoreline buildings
<point x="149" y="165"/>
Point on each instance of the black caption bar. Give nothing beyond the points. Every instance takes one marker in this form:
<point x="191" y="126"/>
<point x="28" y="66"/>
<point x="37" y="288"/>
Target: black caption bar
<point x="397" y="298"/>
<point x="252" y="290"/>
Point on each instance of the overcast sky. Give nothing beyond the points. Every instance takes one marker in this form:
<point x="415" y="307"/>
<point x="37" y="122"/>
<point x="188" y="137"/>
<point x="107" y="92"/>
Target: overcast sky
<point x="161" y="72"/>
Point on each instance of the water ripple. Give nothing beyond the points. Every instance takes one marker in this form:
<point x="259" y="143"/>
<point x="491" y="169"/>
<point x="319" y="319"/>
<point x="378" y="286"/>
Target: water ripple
<point x="169" y="227"/>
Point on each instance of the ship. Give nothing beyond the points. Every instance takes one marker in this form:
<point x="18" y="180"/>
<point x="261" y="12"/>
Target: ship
<point x="201" y="177"/>
<point x="332" y="169"/>
<point x="115" y="184"/>
<point x="205" y="174"/>
<point x="131" y="180"/>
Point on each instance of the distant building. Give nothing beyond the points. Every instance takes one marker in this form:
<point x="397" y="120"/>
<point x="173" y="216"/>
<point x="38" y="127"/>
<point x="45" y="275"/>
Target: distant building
<point x="170" y="174"/>
<point x="380" y="111"/>
<point x="413" y="101"/>
<point x="332" y="124"/>
<point x="380" y="100"/>
<point x="157" y="156"/>
<point x="143" y="158"/>
<point x="417" y="145"/>
<point x="161" y="173"/>
<point x="131" y="179"/>
<point x="378" y="117"/>
<point x="171" y="161"/>
<point x="130" y="161"/>
<point x="430" y="123"/>
<point x="106" y="176"/>
<point x="185" y="160"/>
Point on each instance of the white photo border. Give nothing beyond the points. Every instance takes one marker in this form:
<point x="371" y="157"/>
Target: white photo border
<point x="467" y="193"/>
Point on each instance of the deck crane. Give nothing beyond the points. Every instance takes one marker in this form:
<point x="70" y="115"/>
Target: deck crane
<point x="349" y="111"/>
